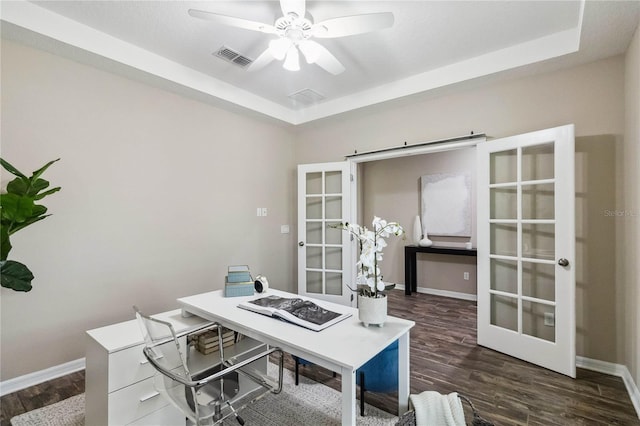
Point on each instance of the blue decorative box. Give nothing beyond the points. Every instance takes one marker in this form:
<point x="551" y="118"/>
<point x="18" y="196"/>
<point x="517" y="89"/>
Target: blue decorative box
<point x="238" y="289"/>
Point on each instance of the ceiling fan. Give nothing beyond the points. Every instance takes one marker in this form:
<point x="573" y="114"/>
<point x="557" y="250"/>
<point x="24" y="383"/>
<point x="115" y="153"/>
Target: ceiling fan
<point x="295" y="32"/>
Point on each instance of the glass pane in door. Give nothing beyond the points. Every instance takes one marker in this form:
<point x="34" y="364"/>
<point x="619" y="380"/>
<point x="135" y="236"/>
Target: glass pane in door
<point x="537" y="162"/>
<point x="504" y="203"/>
<point x="334" y="283"/>
<point x="333" y="208"/>
<point x="314" y="257"/>
<point x="538" y="320"/>
<point x="504" y="239"/>
<point x="314" y="233"/>
<point x="333" y="258"/>
<point x="538" y="240"/>
<point x="504" y="312"/>
<point x="314" y="207"/>
<point x="539" y="280"/>
<point x="314" y="183"/>
<point x="538" y="201"/>
<point x="333" y="182"/>
<point x="503" y="166"/>
<point x="504" y="275"/>
<point x="314" y="282"/>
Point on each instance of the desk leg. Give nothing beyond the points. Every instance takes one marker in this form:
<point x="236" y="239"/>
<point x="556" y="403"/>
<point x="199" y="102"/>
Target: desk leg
<point x="348" y="397"/>
<point x="403" y="374"/>
<point x="407" y="272"/>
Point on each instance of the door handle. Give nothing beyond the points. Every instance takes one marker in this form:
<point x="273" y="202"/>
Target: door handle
<point x="301" y="243"/>
<point x="563" y="262"/>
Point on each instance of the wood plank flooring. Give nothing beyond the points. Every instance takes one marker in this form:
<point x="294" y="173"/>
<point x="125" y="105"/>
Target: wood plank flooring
<point x="444" y="358"/>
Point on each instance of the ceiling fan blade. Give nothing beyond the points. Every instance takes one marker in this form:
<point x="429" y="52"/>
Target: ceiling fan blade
<point x="350" y="25"/>
<point x="261" y="61"/>
<point x="233" y="22"/>
<point x="316" y="53"/>
<point x="293" y="6"/>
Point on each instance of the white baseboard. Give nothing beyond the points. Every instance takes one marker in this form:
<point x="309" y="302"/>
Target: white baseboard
<point x="37" y="377"/>
<point x="444" y="293"/>
<point x="615" y="370"/>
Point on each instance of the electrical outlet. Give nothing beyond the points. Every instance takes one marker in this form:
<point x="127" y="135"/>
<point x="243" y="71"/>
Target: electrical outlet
<point x="549" y="319"/>
<point x="466" y="276"/>
<point x="264" y="211"/>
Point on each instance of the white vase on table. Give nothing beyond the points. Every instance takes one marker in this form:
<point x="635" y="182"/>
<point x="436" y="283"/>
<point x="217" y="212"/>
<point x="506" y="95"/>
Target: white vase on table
<point x="417" y="230"/>
<point x="425" y="242"/>
<point x="372" y="310"/>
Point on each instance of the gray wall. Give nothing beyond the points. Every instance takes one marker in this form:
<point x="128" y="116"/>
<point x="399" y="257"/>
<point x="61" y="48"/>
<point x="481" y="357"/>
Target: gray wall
<point x="628" y="266"/>
<point x="159" y="195"/>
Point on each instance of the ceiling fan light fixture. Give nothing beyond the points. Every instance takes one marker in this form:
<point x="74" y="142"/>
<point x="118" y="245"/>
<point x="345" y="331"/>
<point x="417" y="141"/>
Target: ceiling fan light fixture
<point x="279" y="47"/>
<point x="310" y="51"/>
<point x="292" y="61"/>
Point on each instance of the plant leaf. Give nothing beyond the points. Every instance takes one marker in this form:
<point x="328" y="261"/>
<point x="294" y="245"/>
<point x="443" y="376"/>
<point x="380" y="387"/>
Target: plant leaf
<point x="37" y="186"/>
<point x="5" y="244"/>
<point x="49" y="192"/>
<point x="19" y="226"/>
<point x="16" y="208"/>
<point x="8" y="167"/>
<point x="15" y="275"/>
<point x="18" y="186"/>
<point x="41" y="170"/>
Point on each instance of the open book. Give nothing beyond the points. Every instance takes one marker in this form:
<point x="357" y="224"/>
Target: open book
<point x="295" y="310"/>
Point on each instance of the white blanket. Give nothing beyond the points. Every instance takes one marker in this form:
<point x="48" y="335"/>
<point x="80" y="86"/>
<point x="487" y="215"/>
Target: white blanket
<point x="435" y="409"/>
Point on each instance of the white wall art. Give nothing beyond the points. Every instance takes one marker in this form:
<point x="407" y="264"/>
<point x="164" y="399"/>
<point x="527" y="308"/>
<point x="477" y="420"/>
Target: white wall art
<point x="446" y="204"/>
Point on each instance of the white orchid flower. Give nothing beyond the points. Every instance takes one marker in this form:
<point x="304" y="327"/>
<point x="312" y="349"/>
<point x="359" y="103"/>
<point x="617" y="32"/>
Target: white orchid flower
<point x="372" y="244"/>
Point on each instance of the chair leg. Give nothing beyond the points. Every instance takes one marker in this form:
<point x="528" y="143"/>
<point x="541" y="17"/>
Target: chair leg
<point x="362" y="393"/>
<point x="297" y="371"/>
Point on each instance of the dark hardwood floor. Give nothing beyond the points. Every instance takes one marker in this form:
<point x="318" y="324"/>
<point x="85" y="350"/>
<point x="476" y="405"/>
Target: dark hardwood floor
<point x="445" y="358"/>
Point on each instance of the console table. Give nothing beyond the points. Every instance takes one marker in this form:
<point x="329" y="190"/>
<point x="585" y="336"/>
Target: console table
<point x="410" y="269"/>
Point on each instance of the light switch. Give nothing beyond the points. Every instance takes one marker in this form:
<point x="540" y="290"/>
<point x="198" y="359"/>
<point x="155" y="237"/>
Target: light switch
<point x="264" y="211"/>
<point x="284" y="229"/>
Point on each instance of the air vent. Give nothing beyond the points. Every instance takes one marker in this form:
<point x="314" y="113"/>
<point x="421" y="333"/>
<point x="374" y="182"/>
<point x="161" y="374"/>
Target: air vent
<point x="232" y="56"/>
<point x="306" y="96"/>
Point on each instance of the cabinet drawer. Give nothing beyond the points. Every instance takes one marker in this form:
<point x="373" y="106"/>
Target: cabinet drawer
<point x="167" y="416"/>
<point x="128" y="366"/>
<point x="134" y="402"/>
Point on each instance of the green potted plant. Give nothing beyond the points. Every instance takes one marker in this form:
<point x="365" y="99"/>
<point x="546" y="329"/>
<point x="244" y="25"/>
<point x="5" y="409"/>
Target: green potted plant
<point x="372" y="301"/>
<point x="18" y="209"/>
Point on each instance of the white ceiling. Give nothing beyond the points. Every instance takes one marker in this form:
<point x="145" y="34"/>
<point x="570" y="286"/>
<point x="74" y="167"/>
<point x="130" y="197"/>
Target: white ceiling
<point x="432" y="44"/>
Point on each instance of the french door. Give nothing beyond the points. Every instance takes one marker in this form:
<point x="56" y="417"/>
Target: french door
<point x="324" y="256"/>
<point x="526" y="247"/>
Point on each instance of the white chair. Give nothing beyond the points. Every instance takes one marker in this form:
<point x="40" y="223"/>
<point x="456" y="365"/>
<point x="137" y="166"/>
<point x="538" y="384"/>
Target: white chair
<point x="206" y="397"/>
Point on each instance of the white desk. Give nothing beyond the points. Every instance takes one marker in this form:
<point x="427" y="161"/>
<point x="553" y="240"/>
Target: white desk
<point x="343" y="347"/>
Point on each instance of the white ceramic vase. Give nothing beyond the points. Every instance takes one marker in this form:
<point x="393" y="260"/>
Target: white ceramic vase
<point x="372" y="310"/>
<point x="417" y="230"/>
<point x="425" y="242"/>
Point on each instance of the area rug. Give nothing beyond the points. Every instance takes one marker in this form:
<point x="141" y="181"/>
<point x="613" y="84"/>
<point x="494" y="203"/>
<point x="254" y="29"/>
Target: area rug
<point x="309" y="403"/>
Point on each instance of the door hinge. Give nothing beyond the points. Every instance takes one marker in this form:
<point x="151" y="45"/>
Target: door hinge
<point x="352" y="298"/>
<point x="351" y="176"/>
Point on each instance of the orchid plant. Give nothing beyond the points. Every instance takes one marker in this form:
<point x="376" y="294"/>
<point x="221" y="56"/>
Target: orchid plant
<point x="372" y="242"/>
